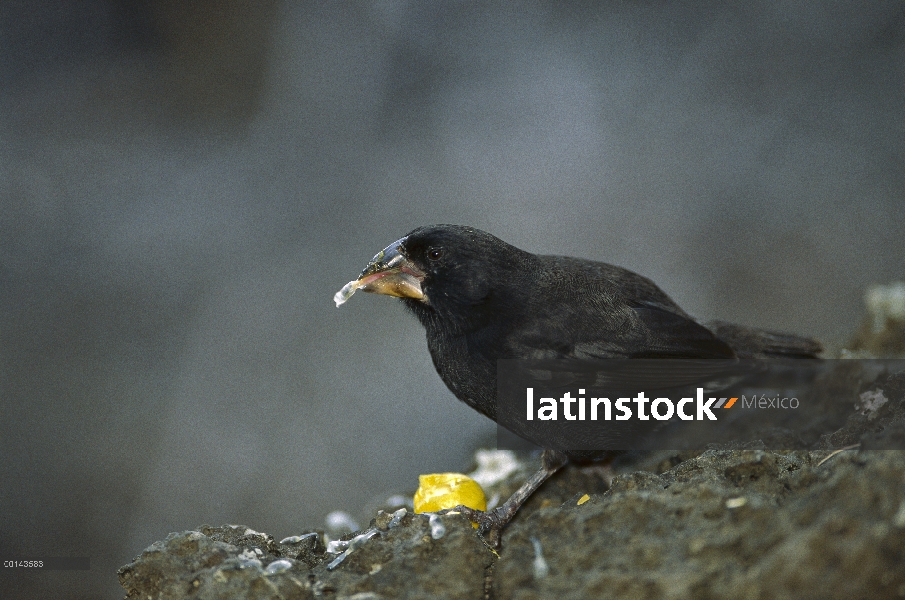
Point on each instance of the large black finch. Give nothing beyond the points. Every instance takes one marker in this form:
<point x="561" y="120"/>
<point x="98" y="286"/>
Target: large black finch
<point x="481" y="299"/>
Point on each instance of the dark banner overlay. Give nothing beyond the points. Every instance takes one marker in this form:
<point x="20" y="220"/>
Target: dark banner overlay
<point x="590" y="406"/>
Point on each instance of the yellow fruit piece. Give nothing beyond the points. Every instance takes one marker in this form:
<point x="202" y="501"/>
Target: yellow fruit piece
<point x="583" y="499"/>
<point x="448" y="490"/>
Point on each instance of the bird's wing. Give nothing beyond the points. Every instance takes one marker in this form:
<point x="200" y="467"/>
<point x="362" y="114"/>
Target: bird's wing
<point x="654" y="332"/>
<point x="750" y="342"/>
<point x="592" y="310"/>
<point x="636" y="331"/>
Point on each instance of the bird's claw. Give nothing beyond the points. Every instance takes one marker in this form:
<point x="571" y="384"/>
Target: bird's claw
<point x="490" y="523"/>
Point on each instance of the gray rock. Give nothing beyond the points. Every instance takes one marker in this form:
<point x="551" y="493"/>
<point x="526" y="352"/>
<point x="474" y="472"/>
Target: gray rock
<point x="404" y="561"/>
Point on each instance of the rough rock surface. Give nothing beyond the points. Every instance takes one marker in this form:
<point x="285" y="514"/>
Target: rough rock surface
<point x="742" y="520"/>
<point x="407" y="560"/>
<point x="739" y="524"/>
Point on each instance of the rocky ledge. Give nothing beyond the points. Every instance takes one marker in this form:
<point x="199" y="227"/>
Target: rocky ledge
<point x="740" y="520"/>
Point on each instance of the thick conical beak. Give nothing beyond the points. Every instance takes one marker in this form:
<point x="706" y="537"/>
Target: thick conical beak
<point x="390" y="273"/>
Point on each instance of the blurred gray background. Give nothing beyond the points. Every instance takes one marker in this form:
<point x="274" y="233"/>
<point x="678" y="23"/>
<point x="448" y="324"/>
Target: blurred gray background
<point x="184" y="186"/>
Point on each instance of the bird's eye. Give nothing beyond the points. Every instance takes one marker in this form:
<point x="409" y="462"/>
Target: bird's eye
<point x="435" y="253"/>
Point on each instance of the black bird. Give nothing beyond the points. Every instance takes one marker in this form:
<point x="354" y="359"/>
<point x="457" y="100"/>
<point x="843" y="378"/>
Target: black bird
<point x="481" y="299"/>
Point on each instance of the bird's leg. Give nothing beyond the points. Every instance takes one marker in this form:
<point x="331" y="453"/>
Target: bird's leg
<point x="492" y="522"/>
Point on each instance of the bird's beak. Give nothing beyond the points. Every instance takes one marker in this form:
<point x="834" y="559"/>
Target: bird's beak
<point x="390" y="273"/>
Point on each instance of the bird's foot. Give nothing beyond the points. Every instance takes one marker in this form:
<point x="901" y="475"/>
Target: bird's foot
<point x="490" y="523"/>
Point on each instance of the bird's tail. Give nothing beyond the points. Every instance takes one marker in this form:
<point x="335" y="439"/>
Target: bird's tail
<point x="750" y="342"/>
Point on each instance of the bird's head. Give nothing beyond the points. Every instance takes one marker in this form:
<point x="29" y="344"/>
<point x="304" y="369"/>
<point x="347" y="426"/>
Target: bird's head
<point x="443" y="269"/>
